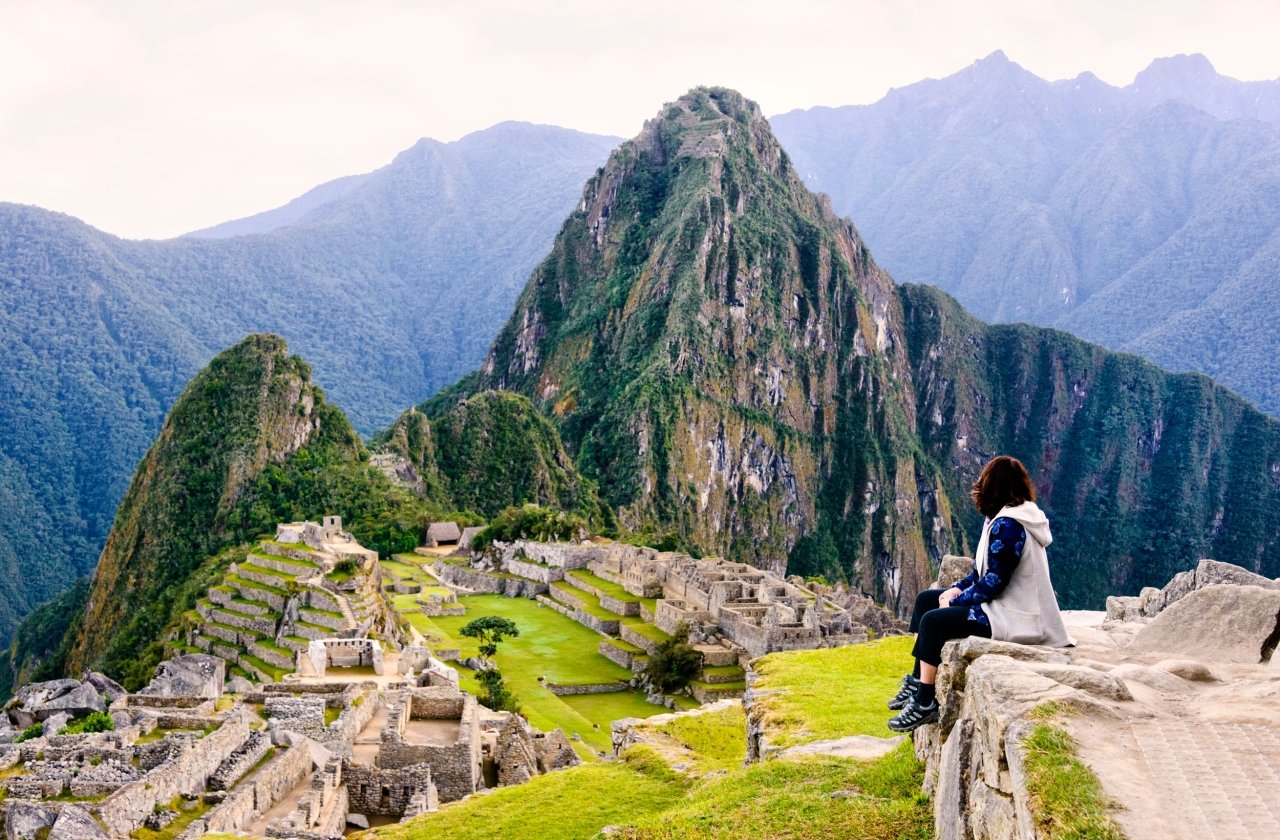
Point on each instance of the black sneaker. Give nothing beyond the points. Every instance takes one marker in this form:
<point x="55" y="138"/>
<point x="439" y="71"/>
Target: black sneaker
<point x="914" y="716"/>
<point x="907" y="690"/>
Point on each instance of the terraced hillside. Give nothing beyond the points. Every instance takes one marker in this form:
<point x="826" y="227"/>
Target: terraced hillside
<point x="272" y="604"/>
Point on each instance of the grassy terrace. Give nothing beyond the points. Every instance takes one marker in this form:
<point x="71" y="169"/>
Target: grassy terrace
<point x="295" y="546"/>
<point x="723" y="671"/>
<point x="300" y="565"/>
<point x="253" y="584"/>
<point x="550" y="646"/>
<point x="831" y="692"/>
<point x="814" y="798"/>
<point x="590" y="603"/>
<point x="649" y="631"/>
<point x="263" y="570"/>
<point x="609" y="588"/>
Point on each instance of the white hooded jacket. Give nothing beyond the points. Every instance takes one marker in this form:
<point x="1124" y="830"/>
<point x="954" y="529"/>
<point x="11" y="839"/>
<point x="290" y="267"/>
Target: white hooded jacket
<point x="1026" y="611"/>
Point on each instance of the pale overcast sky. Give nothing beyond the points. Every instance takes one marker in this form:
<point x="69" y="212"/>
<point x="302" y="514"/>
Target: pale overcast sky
<point x="149" y="119"/>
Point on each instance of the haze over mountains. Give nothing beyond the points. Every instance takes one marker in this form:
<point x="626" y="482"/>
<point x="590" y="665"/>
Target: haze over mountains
<point x="998" y="186"/>
<point x="1146" y="218"/>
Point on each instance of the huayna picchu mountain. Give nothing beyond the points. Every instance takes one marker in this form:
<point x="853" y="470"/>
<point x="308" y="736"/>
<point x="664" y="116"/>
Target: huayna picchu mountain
<point x="250" y="442"/>
<point x="722" y="354"/>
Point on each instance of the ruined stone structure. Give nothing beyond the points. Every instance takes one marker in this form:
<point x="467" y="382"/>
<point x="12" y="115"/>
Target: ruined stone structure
<point x="344" y="653"/>
<point x="737" y="607"/>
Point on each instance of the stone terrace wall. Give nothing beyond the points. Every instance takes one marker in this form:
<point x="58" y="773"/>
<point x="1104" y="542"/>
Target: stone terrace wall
<point x="484" y="582"/>
<point x="255" y="795"/>
<point x="187" y="773"/>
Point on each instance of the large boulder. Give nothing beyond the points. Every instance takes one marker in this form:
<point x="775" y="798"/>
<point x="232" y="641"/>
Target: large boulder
<point x="37" y="701"/>
<point x="192" y="675"/>
<point x="1206" y="573"/>
<point x="1218" y="623"/>
<point x="75" y="824"/>
<point x="107" y="687"/>
<point x="952" y="569"/>
<point x="78" y="702"/>
<point x="27" y="820"/>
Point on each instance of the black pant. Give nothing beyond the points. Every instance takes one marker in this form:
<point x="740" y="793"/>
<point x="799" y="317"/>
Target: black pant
<point x="935" y="626"/>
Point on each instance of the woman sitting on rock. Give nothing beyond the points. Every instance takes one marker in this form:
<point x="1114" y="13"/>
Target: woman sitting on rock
<point x="1008" y="596"/>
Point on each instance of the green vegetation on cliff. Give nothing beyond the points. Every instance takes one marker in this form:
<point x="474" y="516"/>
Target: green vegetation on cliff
<point x="491" y="452"/>
<point x="1141" y="472"/>
<point x="250" y="442"/>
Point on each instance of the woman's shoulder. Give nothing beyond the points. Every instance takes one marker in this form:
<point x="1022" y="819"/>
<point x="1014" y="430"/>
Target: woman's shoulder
<point x="1003" y="525"/>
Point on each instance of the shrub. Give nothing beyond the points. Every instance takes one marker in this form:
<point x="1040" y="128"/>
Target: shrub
<point x="529" y="522"/>
<point x="93" y="722"/>
<point x="674" y="662"/>
<point x="495" y="693"/>
<point x="35" y="730"/>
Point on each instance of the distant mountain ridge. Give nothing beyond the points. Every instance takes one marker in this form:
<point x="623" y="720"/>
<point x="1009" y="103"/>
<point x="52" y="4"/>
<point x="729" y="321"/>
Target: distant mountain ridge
<point x="1145" y="217"/>
<point x="391" y="283"/>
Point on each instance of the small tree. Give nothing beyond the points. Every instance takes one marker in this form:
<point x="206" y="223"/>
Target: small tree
<point x="495" y="693"/>
<point x="674" y="662"/>
<point x="490" y="630"/>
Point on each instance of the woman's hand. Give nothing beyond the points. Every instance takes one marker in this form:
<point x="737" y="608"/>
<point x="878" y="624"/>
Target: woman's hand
<point x="944" y="600"/>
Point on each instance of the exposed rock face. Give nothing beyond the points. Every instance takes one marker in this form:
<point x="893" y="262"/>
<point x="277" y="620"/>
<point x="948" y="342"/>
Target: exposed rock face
<point x="1207" y="573"/>
<point x="75" y="824"/>
<point x="1218" y="623"/>
<point x="62" y="699"/>
<point x="721" y="353"/>
<point x="193" y="675"/>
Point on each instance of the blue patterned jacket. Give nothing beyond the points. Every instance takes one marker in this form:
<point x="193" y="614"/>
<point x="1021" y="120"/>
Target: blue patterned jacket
<point x="1004" y="550"/>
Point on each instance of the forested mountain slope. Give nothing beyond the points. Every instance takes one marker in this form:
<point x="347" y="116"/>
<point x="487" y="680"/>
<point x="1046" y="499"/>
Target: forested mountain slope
<point x="722" y="353"/>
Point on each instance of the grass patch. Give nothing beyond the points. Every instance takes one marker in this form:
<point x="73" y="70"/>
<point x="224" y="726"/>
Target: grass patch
<point x="179" y="824"/>
<point x="331" y="714"/>
<point x="718" y="739"/>
<point x="831" y="692"/>
<point x="650" y="631"/>
<point x="570" y="804"/>
<point x="1066" y="799"/>
<point x="608" y="587"/>
<point x="791" y="800"/>
<point x="551" y="646"/>
<point x="573" y="597"/>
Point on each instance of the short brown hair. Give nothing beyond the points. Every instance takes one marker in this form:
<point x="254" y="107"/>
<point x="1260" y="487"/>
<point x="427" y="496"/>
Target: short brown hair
<point x="1004" y="483"/>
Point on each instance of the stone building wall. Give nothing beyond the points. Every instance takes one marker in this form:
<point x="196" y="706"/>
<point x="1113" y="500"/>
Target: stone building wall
<point x="387" y="791"/>
<point x="186" y="773"/>
<point x="256" y="795"/>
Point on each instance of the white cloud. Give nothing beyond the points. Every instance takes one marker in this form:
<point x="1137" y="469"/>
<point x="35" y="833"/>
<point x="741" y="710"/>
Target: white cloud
<point x="153" y="118"/>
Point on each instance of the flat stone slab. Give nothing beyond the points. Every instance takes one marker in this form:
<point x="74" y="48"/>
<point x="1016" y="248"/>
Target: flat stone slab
<point x="1214" y="779"/>
<point x="853" y="746"/>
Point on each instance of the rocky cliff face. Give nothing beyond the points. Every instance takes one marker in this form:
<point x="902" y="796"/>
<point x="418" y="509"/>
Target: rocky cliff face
<point x="1141" y="472"/>
<point x="722" y="354"/>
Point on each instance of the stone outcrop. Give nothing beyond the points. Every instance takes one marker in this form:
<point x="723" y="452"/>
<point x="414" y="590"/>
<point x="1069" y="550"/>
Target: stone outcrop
<point x="1161" y="709"/>
<point x="1218" y="623"/>
<point x="1207" y="572"/>
<point x="193" y="675"/>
